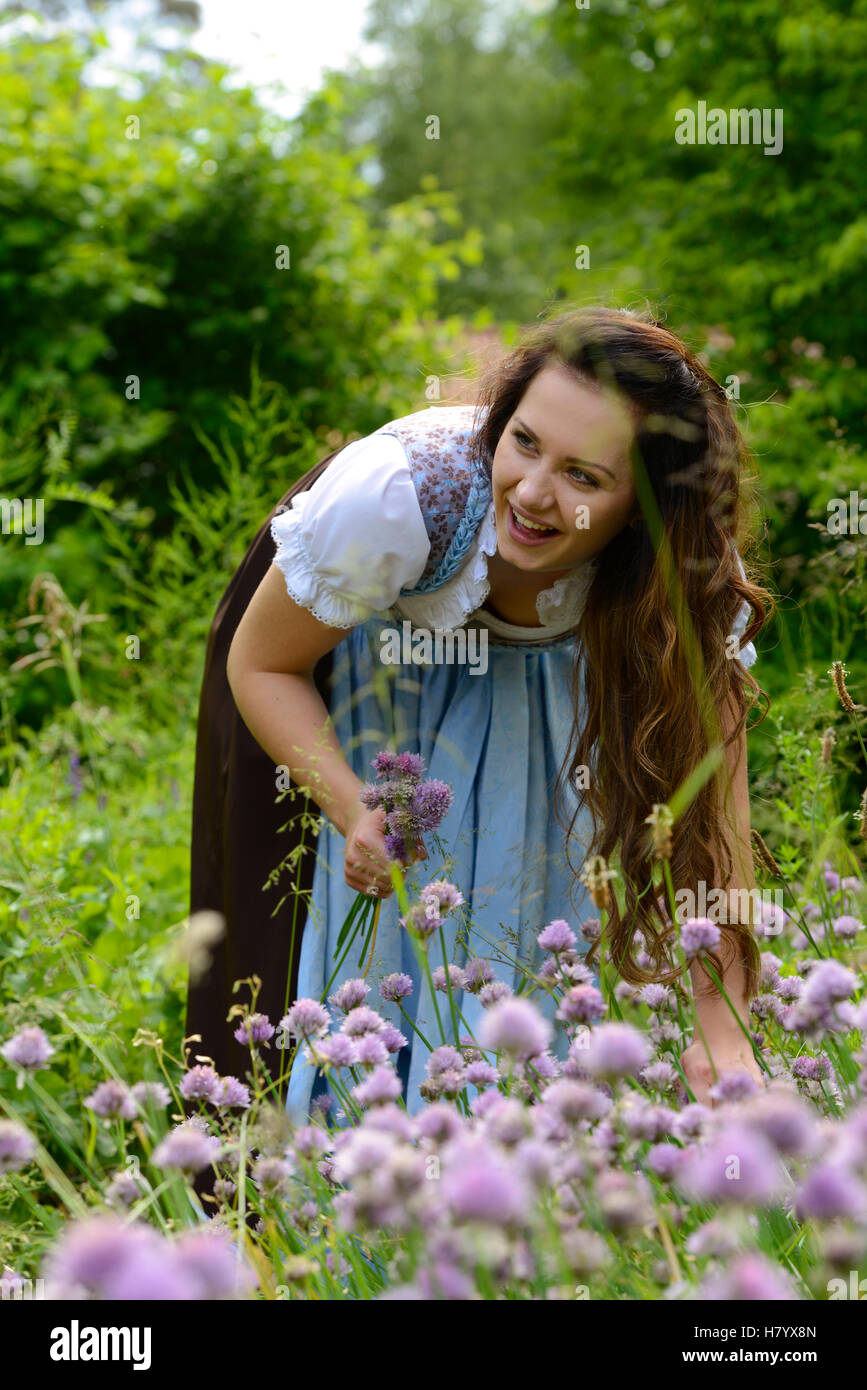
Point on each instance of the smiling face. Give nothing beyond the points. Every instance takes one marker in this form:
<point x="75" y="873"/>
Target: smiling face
<point x="566" y="448"/>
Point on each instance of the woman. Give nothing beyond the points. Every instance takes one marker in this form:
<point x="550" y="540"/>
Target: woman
<point x="583" y="520"/>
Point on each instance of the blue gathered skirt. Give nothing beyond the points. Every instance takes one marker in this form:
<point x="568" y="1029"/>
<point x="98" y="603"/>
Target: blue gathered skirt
<point x="498" y="739"/>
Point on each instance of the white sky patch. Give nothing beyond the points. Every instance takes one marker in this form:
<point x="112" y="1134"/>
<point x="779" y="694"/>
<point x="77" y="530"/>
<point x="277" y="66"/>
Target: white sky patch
<point x="280" y="47"/>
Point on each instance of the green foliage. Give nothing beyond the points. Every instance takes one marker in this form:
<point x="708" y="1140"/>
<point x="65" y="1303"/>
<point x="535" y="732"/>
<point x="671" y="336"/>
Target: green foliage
<point x="141" y="270"/>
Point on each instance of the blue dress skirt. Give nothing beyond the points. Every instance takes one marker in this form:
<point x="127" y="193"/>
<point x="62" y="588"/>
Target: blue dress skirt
<point x="498" y="740"/>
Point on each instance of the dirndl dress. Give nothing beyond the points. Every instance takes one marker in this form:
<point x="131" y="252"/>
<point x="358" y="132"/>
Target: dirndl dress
<point x="498" y="737"/>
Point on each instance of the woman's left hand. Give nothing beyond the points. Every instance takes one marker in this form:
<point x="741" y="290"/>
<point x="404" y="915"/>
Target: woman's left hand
<point x="730" y="1051"/>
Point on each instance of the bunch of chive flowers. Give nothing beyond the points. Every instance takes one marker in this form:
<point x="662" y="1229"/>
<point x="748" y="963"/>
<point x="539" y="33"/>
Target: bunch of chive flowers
<point x="412" y="808"/>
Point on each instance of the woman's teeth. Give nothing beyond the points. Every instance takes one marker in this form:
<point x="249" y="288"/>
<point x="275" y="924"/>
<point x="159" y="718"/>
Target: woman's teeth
<point x="531" y="525"/>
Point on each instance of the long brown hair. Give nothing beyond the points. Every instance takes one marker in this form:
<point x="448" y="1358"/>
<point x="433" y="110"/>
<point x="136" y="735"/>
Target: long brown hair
<point x="646" y="699"/>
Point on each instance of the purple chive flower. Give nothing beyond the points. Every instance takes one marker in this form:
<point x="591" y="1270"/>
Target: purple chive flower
<point x="591" y="930"/>
<point x="369" y="1050"/>
<point x="616" y="1049"/>
<point x="17" y="1146"/>
<point x="409" y="765"/>
<point x="10" y="1283"/>
<point x="515" y="1027"/>
<point x="307" y="1018"/>
<point x="769" y="972"/>
<point x="748" y="1279"/>
<point x="200" y="1083"/>
<point x="443" y="1059"/>
<point x="542" y="1066"/>
<point x="575" y="1101"/>
<point x="311" y="1141"/>
<point x="492" y="994"/>
<point x="783" y="1118"/>
<point x="391" y="1119"/>
<point x="557" y="936"/>
<point x="692" y="1121"/>
<point x="380" y="1088"/>
<point x="481" y="1074"/>
<point x="91" y="1253"/>
<point x="384" y="763"/>
<point x="477" y="1186"/>
<point x="457" y="979"/>
<point x="420" y="922"/>
<point x="716" y="1237"/>
<point x="212" y="1258"/>
<point x="508" y="1121"/>
<point x="112" y="1100"/>
<point x="831" y="877"/>
<point x="625" y="1199"/>
<point x="187" y="1148"/>
<point x="478" y="972"/>
<point x="439" y="1123"/>
<point x="350" y="994"/>
<point x="256" y="1029"/>
<point x="429" y="803"/>
<point x="123" y="1190"/>
<point x="811" y="1068"/>
<point x="154" y="1093"/>
<point x="823" y="1002"/>
<point x="574" y="970"/>
<point x="659" y="1076"/>
<point x="393" y="1038"/>
<point x="664" y="1160"/>
<point x="364" y="1151"/>
<point x="231" y="1093"/>
<point x="643" y="1120"/>
<point x="445" y="1281"/>
<point x="656" y="997"/>
<point x="847" y="927"/>
<point x="699" y="934"/>
<point x="396" y="987"/>
<point x="271" y="1174"/>
<point x="395" y="848"/>
<point x="827" y="983"/>
<point x="831" y="1191"/>
<point x="736" y="1164"/>
<point x="734" y="1084"/>
<point x="582" y="1004"/>
<point x="362" y="1020"/>
<point x="29" y="1049"/>
<point x="443" y="894"/>
<point x="152" y="1276"/>
<point x="790" y="987"/>
<point x="336" y="1051"/>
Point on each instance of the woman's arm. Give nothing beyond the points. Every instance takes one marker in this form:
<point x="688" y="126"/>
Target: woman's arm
<point x="717" y="1031"/>
<point x="712" y="1010"/>
<point x="270" y="671"/>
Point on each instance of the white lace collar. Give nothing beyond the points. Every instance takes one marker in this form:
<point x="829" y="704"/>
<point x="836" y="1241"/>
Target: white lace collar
<point x="559" y="607"/>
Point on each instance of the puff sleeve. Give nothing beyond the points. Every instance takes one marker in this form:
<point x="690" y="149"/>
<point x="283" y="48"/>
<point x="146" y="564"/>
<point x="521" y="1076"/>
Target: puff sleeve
<point x="349" y="544"/>
<point x="747" y="654"/>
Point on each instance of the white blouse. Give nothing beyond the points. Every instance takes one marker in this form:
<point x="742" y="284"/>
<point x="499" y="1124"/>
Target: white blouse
<point x="349" y="544"/>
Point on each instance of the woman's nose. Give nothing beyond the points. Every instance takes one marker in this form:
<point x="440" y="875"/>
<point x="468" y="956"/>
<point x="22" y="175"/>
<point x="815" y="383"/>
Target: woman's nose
<point x="535" y="493"/>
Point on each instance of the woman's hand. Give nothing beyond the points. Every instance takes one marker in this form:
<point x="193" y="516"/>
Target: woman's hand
<point x="730" y="1051"/>
<point x="366" y="861"/>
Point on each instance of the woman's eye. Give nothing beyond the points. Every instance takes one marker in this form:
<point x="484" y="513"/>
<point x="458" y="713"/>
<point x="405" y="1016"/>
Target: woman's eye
<point x="527" y="443"/>
<point x="585" y="477"/>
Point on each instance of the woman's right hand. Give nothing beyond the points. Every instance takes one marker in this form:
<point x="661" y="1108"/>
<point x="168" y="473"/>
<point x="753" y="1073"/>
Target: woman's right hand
<point x="366" y="862"/>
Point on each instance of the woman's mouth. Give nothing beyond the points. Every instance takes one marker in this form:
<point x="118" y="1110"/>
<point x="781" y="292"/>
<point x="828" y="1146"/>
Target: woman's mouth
<point x="526" y="534"/>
